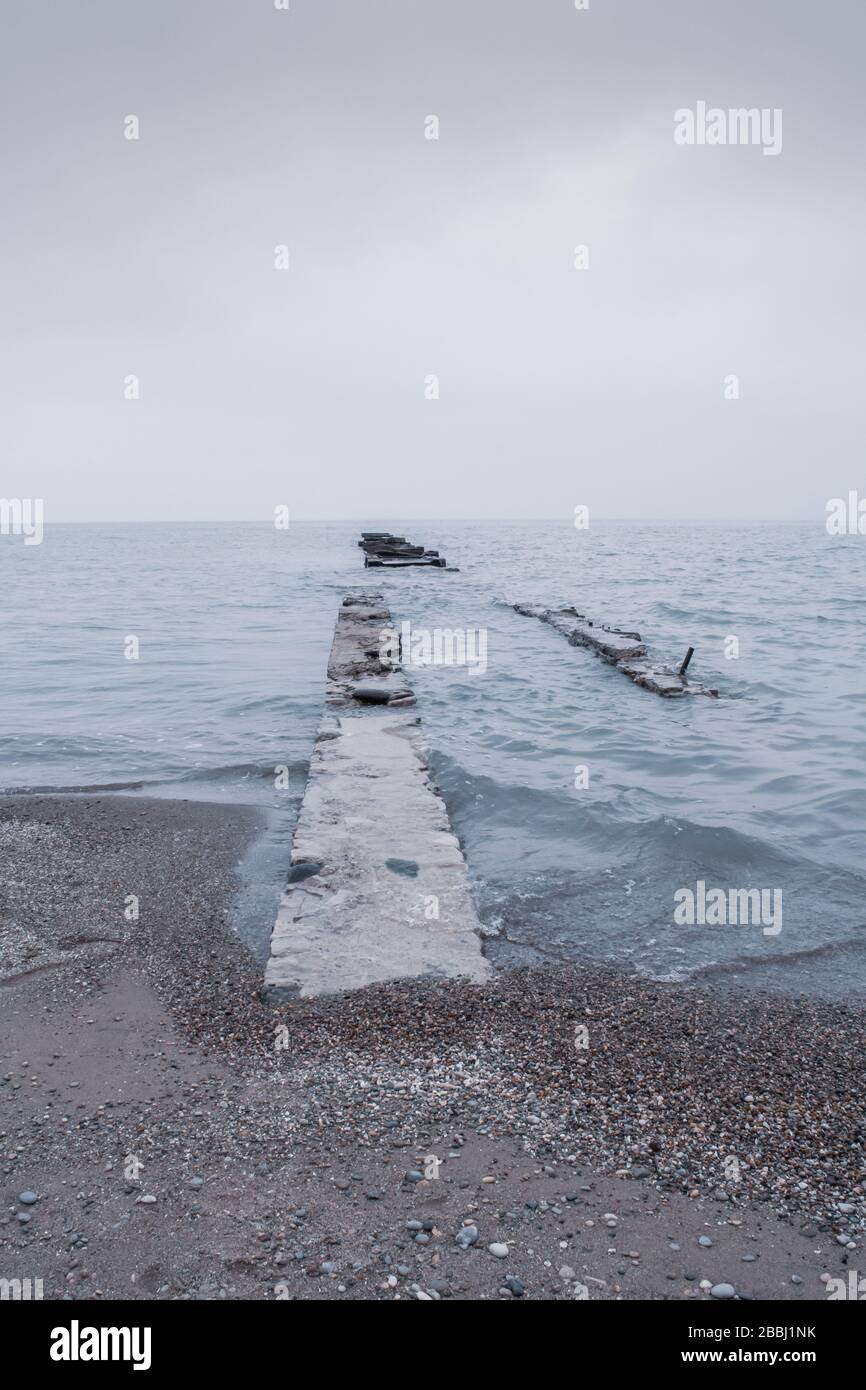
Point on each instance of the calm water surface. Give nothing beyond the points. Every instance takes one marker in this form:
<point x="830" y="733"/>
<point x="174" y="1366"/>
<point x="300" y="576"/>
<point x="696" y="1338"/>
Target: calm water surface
<point x="762" y="788"/>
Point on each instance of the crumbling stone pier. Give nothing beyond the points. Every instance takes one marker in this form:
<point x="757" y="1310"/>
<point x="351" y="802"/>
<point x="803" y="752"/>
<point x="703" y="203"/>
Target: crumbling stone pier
<point x="384" y="551"/>
<point x="378" y="887"/>
<point x="619" y="648"/>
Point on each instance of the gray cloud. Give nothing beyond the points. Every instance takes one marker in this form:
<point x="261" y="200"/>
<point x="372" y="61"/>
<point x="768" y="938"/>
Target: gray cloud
<point x="411" y="257"/>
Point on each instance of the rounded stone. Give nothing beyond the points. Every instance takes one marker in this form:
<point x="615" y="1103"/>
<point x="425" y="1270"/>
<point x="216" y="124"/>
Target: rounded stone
<point x="467" y="1236"/>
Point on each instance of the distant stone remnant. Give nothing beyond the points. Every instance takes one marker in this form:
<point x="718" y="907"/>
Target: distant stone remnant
<point x="378" y="888"/>
<point x="384" y="551"/>
<point x="620" y="648"/>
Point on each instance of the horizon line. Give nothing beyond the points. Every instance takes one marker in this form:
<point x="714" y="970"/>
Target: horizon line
<point x="344" y="520"/>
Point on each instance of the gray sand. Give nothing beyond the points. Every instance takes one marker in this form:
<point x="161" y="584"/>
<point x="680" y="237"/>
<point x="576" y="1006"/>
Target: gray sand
<point x="143" y="1061"/>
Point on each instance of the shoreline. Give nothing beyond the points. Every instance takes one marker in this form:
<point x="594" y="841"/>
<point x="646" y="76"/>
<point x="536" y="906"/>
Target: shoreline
<point x="373" y="1081"/>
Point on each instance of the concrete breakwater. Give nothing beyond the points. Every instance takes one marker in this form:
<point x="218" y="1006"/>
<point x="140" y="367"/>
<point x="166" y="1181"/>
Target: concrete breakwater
<point x="382" y="550"/>
<point x="619" y="648"/>
<point x="378" y="888"/>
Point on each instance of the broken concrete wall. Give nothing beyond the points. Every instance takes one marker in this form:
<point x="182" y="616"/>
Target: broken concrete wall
<point x="378" y="887"/>
<point x="621" y="649"/>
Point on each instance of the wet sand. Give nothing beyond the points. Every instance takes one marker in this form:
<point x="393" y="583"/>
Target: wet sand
<point x="286" y="1146"/>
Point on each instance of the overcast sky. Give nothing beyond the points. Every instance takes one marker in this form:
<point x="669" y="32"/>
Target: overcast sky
<point x="412" y="257"/>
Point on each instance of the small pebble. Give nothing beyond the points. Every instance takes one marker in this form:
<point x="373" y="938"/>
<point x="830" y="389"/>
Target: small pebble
<point x="466" y="1236"/>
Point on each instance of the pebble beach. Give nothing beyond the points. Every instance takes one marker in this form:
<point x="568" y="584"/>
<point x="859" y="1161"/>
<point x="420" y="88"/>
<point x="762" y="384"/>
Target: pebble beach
<point x="556" y="1132"/>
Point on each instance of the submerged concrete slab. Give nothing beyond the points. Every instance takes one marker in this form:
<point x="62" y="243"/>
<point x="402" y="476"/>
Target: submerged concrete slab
<point x="381" y="549"/>
<point x="378" y="888"/>
<point x="621" y="649"/>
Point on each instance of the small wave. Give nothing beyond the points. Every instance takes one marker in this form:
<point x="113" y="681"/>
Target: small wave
<point x="234" y="772"/>
<point x="230" y="772"/>
<point x="73" y="790"/>
<point x="825" y="950"/>
<point x="277" y="704"/>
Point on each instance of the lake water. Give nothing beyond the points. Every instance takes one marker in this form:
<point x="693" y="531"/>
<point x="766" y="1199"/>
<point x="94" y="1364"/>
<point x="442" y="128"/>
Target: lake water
<point x="762" y="788"/>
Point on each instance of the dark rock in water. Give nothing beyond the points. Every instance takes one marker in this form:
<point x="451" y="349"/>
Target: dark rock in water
<point x="381" y="692"/>
<point x="407" y="867"/>
<point x="298" y="872"/>
<point x="371" y="694"/>
<point x="382" y="549"/>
